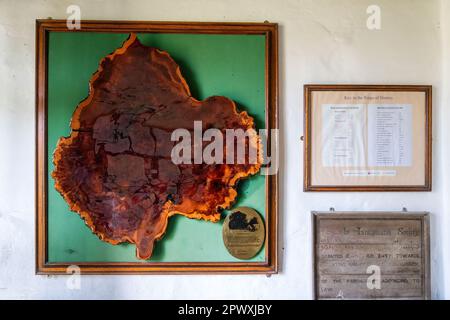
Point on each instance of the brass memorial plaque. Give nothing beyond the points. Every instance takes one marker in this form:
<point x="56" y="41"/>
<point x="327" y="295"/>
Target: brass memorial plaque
<point x="243" y="233"/>
<point x="371" y="255"/>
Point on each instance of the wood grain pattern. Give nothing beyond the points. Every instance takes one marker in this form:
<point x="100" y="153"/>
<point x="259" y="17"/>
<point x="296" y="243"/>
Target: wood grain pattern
<point x="349" y="245"/>
<point x="307" y="147"/>
<point x="43" y="28"/>
<point x="116" y="168"/>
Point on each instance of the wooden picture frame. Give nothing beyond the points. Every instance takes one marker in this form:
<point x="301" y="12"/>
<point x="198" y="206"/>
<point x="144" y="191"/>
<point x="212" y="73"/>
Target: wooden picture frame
<point x="321" y="176"/>
<point x="357" y="250"/>
<point x="43" y="29"/>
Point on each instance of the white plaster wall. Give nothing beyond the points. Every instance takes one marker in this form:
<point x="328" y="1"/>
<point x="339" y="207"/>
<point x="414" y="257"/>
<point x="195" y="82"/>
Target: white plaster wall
<point x="444" y="106"/>
<point x="322" y="41"/>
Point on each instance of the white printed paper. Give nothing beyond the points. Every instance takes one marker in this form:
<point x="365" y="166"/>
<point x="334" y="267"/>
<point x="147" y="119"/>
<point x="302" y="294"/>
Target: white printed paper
<point x="369" y="173"/>
<point x="343" y="135"/>
<point x="390" y="135"/>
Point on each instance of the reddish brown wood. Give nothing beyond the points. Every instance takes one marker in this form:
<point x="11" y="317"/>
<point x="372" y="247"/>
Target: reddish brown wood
<point x="116" y="169"/>
<point x="43" y="27"/>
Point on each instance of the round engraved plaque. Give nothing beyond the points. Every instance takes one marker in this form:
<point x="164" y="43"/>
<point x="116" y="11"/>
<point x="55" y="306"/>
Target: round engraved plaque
<point x="243" y="233"/>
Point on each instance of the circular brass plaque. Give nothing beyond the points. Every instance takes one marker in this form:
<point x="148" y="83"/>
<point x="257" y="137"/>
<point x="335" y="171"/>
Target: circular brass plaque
<point x="243" y="233"/>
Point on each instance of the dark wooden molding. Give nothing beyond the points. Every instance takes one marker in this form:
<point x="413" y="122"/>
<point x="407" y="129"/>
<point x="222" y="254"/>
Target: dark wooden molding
<point x="43" y="266"/>
<point x="307" y="145"/>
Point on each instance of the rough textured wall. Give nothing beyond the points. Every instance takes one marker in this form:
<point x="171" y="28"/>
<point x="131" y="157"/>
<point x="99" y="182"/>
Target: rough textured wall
<point x="322" y="41"/>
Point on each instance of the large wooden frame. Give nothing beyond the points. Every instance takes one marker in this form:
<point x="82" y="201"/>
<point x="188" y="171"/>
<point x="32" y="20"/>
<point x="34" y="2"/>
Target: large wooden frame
<point x="309" y="185"/>
<point x="43" y="27"/>
<point x="423" y="218"/>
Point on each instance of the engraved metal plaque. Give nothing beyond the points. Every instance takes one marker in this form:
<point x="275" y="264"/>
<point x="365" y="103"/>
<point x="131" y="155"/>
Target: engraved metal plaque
<point x="371" y="255"/>
<point x="243" y="233"/>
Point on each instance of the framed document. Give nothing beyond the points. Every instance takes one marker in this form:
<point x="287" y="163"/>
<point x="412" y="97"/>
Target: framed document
<point x="367" y="138"/>
<point x="371" y="255"/>
<point x="100" y="191"/>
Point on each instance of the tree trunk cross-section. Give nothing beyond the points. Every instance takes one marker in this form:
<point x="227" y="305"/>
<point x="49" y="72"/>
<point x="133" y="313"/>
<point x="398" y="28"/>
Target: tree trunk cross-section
<point x="115" y="169"/>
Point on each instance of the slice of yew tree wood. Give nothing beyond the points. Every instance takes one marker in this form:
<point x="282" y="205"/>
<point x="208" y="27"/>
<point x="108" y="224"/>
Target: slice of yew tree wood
<point x="115" y="169"/>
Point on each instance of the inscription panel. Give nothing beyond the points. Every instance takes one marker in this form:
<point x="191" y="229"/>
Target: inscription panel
<point x="371" y="255"/>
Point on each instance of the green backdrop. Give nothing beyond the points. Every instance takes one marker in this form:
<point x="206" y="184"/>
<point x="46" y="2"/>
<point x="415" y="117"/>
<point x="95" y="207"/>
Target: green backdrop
<point x="228" y="65"/>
